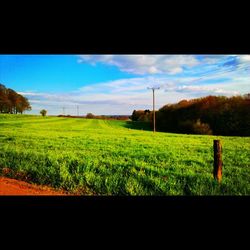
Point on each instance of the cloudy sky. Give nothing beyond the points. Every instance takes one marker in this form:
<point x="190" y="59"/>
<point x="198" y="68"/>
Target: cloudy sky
<point x="118" y="84"/>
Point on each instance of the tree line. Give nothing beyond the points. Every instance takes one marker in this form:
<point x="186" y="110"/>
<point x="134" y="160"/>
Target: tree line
<point x="217" y="115"/>
<point x="107" y="117"/>
<point x="11" y="102"/>
<point x="102" y="117"/>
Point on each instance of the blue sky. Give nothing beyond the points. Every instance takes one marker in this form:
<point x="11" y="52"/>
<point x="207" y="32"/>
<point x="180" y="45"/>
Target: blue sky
<point x="117" y="84"/>
<point x="52" y="73"/>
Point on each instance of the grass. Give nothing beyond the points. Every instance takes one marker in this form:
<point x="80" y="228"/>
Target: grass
<point x="108" y="157"/>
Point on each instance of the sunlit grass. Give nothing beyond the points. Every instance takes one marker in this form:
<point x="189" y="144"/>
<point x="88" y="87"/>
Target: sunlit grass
<point x="105" y="157"/>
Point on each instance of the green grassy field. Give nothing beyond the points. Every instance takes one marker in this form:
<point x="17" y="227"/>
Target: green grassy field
<point x="104" y="157"/>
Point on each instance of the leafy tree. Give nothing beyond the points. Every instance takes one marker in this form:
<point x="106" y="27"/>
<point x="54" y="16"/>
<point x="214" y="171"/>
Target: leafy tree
<point x="90" y="116"/>
<point x="43" y="112"/>
<point x="140" y="115"/>
<point x="12" y="102"/>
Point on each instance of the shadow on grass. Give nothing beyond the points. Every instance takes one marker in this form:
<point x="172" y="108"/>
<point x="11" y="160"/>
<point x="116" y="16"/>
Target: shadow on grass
<point x="138" y="125"/>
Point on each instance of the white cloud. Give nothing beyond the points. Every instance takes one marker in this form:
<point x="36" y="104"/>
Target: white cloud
<point x="244" y="58"/>
<point x="143" y="64"/>
<point x="214" y="59"/>
<point x="29" y="93"/>
<point x="206" y="90"/>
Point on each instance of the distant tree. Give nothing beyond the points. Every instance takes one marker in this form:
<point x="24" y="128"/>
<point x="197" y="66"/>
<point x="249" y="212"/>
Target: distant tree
<point x="90" y="116"/>
<point x="141" y="115"/>
<point x="12" y="102"/>
<point x="22" y="104"/>
<point x="138" y="115"/>
<point x="43" y="112"/>
<point x="4" y="101"/>
<point x="247" y="96"/>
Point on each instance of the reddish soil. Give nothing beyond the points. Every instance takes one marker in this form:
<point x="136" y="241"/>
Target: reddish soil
<point x="15" y="187"/>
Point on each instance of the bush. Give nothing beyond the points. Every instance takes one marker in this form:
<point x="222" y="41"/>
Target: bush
<point x="194" y="127"/>
<point x="201" y="128"/>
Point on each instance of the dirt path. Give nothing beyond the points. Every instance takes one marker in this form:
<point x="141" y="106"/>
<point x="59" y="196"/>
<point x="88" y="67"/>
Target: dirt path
<point x="15" y="187"/>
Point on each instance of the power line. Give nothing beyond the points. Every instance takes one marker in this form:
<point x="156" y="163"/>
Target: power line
<point x="153" y="89"/>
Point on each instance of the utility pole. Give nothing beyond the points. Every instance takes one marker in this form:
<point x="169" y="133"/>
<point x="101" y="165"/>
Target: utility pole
<point x="153" y="89"/>
<point x="63" y="110"/>
<point x="77" y="110"/>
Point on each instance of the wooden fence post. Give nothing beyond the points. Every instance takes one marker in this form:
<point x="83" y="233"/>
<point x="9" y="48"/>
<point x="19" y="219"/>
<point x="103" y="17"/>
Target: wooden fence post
<point x="217" y="160"/>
